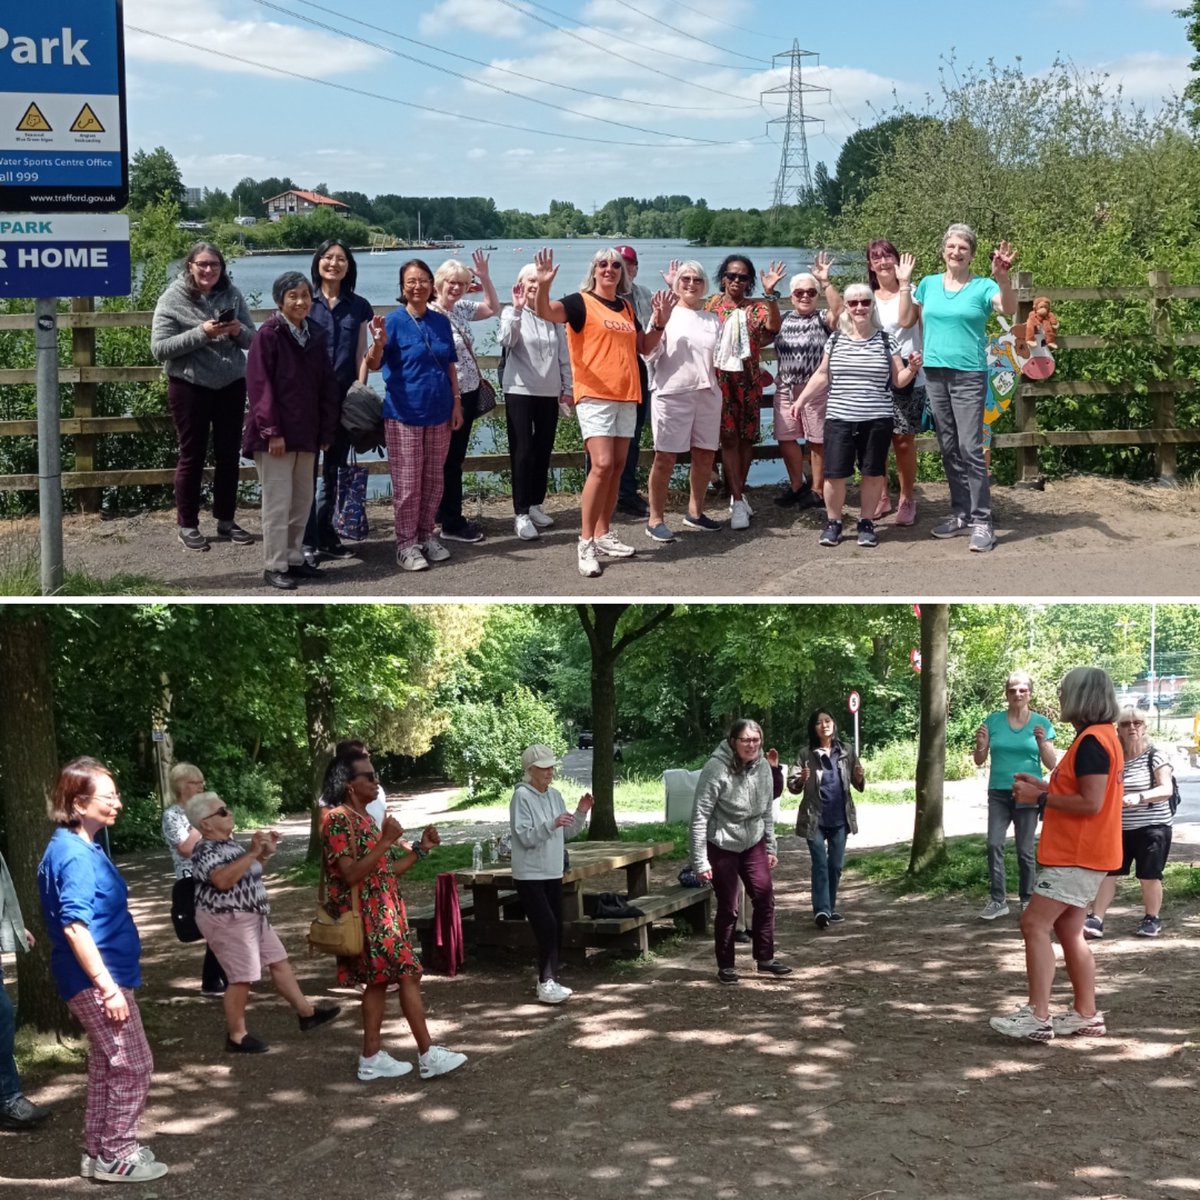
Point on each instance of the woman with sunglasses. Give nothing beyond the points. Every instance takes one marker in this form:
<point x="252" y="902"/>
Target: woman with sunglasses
<point x="907" y="403"/>
<point x="686" y="414"/>
<point x="1146" y="826"/>
<point x="747" y="326"/>
<point x="604" y="340"/>
<point x="232" y="911"/>
<point x="358" y="854"/>
<point x="799" y="345"/>
<point x="826" y="815"/>
<point x="858" y="364"/>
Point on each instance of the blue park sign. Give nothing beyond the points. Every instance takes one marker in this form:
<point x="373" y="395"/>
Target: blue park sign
<point x="75" y="254"/>
<point x="62" y="107"/>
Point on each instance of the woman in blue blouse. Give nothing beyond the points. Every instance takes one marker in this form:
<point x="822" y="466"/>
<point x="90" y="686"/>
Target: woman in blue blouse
<point x="95" y="957"/>
<point x="955" y="307"/>
<point x="421" y="408"/>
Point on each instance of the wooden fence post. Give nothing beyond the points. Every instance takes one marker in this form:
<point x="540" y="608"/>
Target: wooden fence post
<point x="1162" y="404"/>
<point x="83" y="354"/>
<point x="1028" y="473"/>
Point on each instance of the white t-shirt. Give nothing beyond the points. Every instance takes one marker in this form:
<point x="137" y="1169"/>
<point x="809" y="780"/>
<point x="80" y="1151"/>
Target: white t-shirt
<point x="683" y="359"/>
<point x="887" y="312"/>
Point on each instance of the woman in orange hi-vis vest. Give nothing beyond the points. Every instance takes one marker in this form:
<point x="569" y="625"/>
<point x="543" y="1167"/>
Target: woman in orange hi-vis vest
<point x="604" y="341"/>
<point x="1080" y="844"/>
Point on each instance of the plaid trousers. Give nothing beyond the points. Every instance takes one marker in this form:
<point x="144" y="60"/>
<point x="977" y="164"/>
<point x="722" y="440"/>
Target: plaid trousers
<point x="416" y="456"/>
<point x="119" y="1068"/>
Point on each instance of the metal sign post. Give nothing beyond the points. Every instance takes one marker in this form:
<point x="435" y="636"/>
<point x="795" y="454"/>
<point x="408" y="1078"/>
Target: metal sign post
<point x="49" y="451"/>
<point x="855" y="703"/>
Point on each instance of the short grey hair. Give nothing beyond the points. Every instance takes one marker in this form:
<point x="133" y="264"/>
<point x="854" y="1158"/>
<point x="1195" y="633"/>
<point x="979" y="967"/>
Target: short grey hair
<point x="963" y="231"/>
<point x="804" y="277"/>
<point x="286" y="282"/>
<point x="1086" y="697"/>
<point x="1019" y="676"/>
<point x="198" y="806"/>
<point x="857" y="291"/>
<point x="690" y="267"/>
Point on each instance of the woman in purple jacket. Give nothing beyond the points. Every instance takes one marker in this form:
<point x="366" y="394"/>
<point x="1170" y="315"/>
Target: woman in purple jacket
<point x="294" y="405"/>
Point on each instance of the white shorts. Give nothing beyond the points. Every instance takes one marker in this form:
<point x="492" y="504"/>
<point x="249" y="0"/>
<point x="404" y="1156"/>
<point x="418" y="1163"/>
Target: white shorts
<point x="1076" y="886"/>
<point x="686" y="419"/>
<point x="606" y="418"/>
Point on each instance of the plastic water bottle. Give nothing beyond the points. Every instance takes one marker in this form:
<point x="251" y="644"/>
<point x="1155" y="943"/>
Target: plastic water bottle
<point x="493" y="850"/>
<point x="477" y="857"/>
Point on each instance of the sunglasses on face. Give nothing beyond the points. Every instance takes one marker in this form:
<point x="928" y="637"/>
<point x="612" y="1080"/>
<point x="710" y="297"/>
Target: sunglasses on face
<point x="737" y="276"/>
<point x="1131" y="724"/>
<point x="859" y="303"/>
<point x="218" y="812"/>
<point x="371" y="775"/>
<point x="608" y="266"/>
<point x="691" y="280"/>
<point x="804" y="293"/>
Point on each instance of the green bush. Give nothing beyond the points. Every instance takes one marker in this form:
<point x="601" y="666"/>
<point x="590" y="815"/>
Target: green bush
<point x="897" y="761"/>
<point x="251" y="793"/>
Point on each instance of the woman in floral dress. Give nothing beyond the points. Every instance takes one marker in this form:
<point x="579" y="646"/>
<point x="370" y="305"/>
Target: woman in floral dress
<point x="358" y="854"/>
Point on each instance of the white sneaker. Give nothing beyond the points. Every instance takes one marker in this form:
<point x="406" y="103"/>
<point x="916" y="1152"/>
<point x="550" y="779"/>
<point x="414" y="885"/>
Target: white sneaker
<point x="381" y="1065"/>
<point x="1023" y="1024"/>
<point x="437" y="1060"/>
<point x="539" y="517"/>
<point x="550" y="993"/>
<point x="1071" y="1024"/>
<point x="739" y="515"/>
<point x="433" y="550"/>
<point x="134" y="1169"/>
<point x="87" y="1164"/>
<point x="412" y="560"/>
<point x="993" y="909"/>
<point x="743" y="500"/>
<point x="611" y="546"/>
<point x="525" y="528"/>
<point x="588" y="566"/>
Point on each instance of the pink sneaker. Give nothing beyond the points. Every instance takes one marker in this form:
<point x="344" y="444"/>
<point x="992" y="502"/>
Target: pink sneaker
<point x="906" y="513"/>
<point x="884" y="506"/>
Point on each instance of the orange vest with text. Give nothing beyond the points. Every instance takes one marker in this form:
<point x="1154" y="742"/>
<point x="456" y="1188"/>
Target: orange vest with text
<point x="1073" y="839"/>
<point x="604" y="357"/>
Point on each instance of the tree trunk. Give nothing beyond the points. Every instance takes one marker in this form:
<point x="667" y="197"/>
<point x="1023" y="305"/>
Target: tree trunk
<point x="29" y="752"/>
<point x="318" y="711"/>
<point x="929" y="837"/>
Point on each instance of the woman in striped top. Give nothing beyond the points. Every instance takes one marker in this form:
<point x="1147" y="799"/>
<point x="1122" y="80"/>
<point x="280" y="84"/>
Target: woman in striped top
<point x="1146" y="824"/>
<point x="860" y="367"/>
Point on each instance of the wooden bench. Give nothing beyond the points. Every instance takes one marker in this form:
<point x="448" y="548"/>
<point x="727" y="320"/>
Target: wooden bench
<point x="693" y="903"/>
<point x="421" y="918"/>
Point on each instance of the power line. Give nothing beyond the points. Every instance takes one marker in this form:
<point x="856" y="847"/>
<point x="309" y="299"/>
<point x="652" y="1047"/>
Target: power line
<point x="740" y="28"/>
<point x="683" y="33"/>
<point x="209" y="52"/>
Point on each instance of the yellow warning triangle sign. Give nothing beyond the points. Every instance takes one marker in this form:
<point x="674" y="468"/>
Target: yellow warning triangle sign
<point x="33" y="120"/>
<point x="87" y="121"/>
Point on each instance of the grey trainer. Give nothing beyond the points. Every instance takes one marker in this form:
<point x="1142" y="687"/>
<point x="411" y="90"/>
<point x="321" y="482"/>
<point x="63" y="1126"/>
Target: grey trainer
<point x="982" y="538"/>
<point x="952" y="526"/>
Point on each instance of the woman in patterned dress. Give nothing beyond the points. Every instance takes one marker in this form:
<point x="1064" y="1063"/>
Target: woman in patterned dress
<point x="357" y="854"/>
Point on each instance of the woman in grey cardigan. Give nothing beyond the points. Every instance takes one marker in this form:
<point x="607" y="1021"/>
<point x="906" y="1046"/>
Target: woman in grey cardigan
<point x="733" y="837"/>
<point x="200" y="333"/>
<point x="540" y="824"/>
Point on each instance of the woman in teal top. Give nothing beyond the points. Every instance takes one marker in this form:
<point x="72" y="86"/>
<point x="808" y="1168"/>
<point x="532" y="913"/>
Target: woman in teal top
<point x="1018" y="739"/>
<point x="955" y="307"/>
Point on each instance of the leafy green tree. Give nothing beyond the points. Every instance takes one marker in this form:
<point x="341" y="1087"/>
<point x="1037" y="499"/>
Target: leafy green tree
<point x="153" y="176"/>
<point x="1191" y="93"/>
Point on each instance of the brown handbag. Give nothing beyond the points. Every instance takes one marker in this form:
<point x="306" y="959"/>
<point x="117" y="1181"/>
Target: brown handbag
<point x="331" y="932"/>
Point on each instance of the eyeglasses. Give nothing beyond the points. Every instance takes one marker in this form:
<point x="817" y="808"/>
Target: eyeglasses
<point x="335" y="260"/>
<point x="737" y="276"/>
<point x="804" y="293"/>
<point x="859" y="303"/>
<point x="218" y="812"/>
<point x="1131" y="724"/>
<point x="206" y="265"/>
<point x="371" y="775"/>
<point x="691" y="280"/>
<point x="882" y="256"/>
<point x="750" y="741"/>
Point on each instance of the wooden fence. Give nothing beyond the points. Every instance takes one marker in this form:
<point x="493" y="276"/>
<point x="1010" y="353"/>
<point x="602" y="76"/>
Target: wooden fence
<point x="1159" y="342"/>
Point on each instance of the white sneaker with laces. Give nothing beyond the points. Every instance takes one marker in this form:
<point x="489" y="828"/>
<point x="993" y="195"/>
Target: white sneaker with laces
<point x="1071" y="1024"/>
<point x="381" y="1065"/>
<point x="611" y="546"/>
<point x="134" y="1169"/>
<point x="539" y="516"/>
<point x="550" y="993"/>
<point x="437" y="1060"/>
<point x="739" y="515"/>
<point x="525" y="528"/>
<point x="433" y="550"/>
<point x="588" y="566"/>
<point x="1024" y="1024"/>
<point x="87" y="1164"/>
<point x="412" y="560"/>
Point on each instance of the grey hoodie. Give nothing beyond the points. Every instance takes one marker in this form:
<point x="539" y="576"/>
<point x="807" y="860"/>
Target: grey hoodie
<point x="536" y="362"/>
<point x="178" y="340"/>
<point x="733" y="809"/>
<point x="537" y="846"/>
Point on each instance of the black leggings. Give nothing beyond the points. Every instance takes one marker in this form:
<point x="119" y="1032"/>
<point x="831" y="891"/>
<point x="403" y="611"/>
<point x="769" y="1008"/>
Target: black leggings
<point x="532" y="423"/>
<point x="542" y="901"/>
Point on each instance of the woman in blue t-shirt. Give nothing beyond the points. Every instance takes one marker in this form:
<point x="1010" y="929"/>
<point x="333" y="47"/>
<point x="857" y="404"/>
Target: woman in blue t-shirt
<point x="955" y="307"/>
<point x="1018" y="740"/>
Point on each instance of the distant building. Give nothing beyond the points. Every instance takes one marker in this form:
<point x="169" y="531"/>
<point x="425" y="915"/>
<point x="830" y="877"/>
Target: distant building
<point x="193" y="196"/>
<point x="303" y="203"/>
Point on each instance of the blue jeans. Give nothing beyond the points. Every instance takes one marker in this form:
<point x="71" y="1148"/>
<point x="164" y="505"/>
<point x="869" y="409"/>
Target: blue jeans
<point x="1003" y="811"/>
<point x="10" y="1084"/>
<point x="956" y="399"/>
<point x="828" y="850"/>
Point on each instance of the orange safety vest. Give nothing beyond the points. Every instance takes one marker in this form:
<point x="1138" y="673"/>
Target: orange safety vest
<point x="1085" y="840"/>
<point x="604" y="357"/>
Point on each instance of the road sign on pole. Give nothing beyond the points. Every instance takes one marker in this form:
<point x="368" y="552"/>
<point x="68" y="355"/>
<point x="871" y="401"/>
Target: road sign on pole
<point x="64" y="255"/>
<point x="62" y="107"/>
<point x="855" y="703"/>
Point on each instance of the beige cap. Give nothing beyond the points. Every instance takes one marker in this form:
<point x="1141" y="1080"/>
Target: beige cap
<point x="538" y="756"/>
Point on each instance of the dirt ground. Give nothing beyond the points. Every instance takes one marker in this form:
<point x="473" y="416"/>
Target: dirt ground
<point x="1083" y="536"/>
<point x="870" y="1073"/>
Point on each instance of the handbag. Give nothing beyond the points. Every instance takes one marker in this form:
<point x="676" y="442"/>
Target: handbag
<point x="331" y="932"/>
<point x="183" y="910"/>
<point x="350" y="501"/>
<point x="487" y="397"/>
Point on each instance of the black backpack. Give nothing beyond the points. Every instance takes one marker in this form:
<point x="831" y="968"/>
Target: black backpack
<point x="362" y="418"/>
<point x="1174" y="797"/>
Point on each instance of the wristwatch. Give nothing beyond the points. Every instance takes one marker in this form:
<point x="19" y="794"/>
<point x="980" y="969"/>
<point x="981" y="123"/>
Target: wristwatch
<point x="773" y="294"/>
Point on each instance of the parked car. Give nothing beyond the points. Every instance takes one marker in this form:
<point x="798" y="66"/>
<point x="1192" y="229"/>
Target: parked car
<point x="584" y="741"/>
<point x="245" y="220"/>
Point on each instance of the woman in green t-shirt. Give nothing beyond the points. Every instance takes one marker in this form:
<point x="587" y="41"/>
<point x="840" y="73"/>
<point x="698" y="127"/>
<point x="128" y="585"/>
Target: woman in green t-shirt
<point x="1017" y="739"/>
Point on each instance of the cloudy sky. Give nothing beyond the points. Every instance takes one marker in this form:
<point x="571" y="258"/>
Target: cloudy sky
<point x="577" y="100"/>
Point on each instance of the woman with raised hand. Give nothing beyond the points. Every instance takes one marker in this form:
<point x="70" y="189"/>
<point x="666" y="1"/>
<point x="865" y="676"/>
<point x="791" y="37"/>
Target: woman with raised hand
<point x="536" y="380"/>
<point x="747" y="326"/>
<point x="95" y="957"/>
<point x="450" y="282"/>
<point x="686" y="414"/>
<point x="359" y="854"/>
<point x="858" y="368"/>
<point x="604" y="340"/>
<point x="907" y="403"/>
<point x="1080" y="843"/>
<point x="955" y="306"/>
<point x="232" y="912"/>
<point x="799" y="345"/>
<point x="200" y="333"/>
<point x="421" y="409"/>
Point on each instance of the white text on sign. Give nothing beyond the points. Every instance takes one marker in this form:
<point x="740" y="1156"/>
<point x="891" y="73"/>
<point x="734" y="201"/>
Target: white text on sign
<point x="53" y="257"/>
<point x="27" y="51"/>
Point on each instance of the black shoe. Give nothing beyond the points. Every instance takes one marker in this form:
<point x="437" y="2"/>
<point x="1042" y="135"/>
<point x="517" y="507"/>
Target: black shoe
<point x="281" y="580"/>
<point x="22" y="1113"/>
<point x="809" y="499"/>
<point x="742" y="937"/>
<point x="248" y="1045"/>
<point x="821" y="920"/>
<point x="320" y="1016"/>
<point x="835" y="917"/>
<point x="305" y="570"/>
<point x="866" y="533"/>
<point x="801" y="498"/>
<point x="231" y="531"/>
<point x="193" y="539"/>
<point x="311" y="556"/>
<point x="773" y="968"/>
<point x="467" y="532"/>
<point x="831" y="534"/>
<point x="727" y="975"/>
<point x="335" y="550"/>
<point x="634" y="505"/>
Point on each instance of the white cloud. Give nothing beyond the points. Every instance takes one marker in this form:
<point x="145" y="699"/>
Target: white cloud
<point x="479" y="16"/>
<point x="1148" y="76"/>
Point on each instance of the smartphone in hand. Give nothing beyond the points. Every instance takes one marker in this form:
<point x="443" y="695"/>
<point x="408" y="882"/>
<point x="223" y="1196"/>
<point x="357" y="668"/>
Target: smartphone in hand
<point x="226" y="315"/>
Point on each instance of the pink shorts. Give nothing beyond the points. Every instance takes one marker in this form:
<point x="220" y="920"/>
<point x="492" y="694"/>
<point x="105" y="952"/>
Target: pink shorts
<point x="243" y="942"/>
<point x="810" y="425"/>
<point x="686" y="419"/>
